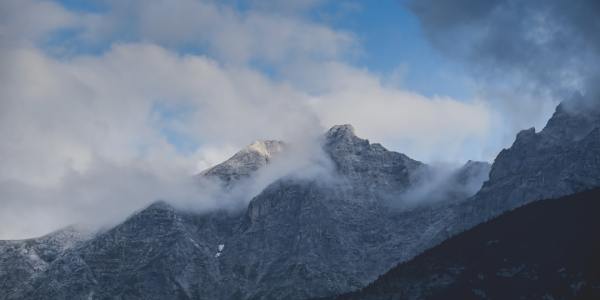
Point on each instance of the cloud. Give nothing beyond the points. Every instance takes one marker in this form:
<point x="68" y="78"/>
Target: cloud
<point x="64" y="119"/>
<point x="528" y="55"/>
<point x="229" y="34"/>
<point x="283" y="6"/>
<point x="94" y="135"/>
<point x="27" y="21"/>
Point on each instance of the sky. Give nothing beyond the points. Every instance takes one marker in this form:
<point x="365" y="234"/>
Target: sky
<point x="107" y="105"/>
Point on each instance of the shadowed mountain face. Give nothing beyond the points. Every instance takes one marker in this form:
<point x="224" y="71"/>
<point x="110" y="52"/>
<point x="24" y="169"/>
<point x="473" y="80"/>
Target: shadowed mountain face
<point x="562" y="159"/>
<point x="545" y="250"/>
<point x="308" y="237"/>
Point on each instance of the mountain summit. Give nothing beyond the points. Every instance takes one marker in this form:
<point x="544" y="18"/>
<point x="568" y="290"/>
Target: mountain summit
<point x="245" y="162"/>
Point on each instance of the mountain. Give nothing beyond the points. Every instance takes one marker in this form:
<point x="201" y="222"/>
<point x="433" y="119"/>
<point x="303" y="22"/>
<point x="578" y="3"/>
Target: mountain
<point x="545" y="250"/>
<point x="297" y="239"/>
<point x="304" y="237"/>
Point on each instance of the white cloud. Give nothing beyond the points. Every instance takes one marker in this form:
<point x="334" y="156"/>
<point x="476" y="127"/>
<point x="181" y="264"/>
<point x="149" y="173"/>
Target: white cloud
<point x="100" y="134"/>
<point x="27" y="21"/>
<point x="62" y="121"/>
<point x="403" y="120"/>
<point x="228" y="34"/>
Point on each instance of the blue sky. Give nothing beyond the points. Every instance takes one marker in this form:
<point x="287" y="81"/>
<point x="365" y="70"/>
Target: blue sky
<point x="392" y="40"/>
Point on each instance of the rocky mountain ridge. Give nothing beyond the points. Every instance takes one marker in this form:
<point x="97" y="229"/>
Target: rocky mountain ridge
<point x="307" y="237"/>
<point x="562" y="159"/>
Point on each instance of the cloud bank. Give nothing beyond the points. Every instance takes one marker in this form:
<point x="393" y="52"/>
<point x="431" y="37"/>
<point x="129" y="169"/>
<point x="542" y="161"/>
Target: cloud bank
<point x="104" y="111"/>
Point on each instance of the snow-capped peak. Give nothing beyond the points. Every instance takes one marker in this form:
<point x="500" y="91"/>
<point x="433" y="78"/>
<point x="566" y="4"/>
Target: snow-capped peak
<point x="246" y="161"/>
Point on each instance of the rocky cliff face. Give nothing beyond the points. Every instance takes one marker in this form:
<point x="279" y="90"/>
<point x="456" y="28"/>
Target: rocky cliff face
<point x="357" y="159"/>
<point x="562" y="159"/>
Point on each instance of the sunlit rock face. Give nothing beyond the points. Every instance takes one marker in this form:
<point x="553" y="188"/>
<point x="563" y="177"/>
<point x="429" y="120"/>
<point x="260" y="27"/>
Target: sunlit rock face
<point x="245" y="162"/>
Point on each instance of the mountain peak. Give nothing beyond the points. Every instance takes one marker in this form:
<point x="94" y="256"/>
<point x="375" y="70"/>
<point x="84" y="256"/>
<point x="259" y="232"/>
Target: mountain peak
<point x="341" y="132"/>
<point x="246" y="161"/>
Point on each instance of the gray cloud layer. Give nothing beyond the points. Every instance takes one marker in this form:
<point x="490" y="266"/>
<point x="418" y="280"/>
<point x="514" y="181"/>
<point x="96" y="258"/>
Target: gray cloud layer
<point x="529" y="53"/>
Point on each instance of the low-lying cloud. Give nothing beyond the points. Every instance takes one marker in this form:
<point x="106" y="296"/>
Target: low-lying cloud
<point x="104" y="112"/>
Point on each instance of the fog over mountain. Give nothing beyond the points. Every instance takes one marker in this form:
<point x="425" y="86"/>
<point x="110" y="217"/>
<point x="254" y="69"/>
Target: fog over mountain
<point x="208" y="149"/>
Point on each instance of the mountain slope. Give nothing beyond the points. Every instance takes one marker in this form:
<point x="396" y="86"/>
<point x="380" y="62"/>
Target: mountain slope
<point x="546" y="250"/>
